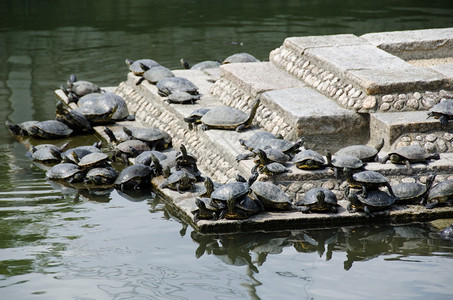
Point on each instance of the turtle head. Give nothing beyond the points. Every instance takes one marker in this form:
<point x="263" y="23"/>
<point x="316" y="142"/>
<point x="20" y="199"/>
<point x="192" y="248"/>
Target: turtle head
<point x="72" y="78"/>
<point x="253" y="178"/>
<point x="321" y="198"/>
<point x="72" y="98"/>
<point x="129" y="62"/>
<point x="157" y="164"/>
<point x="348" y="173"/>
<point x="209" y="185"/>
<point x="144" y="67"/>
<point x="353" y="199"/>
<point x="166" y="172"/>
<point x="379" y="145"/>
<point x="430" y="180"/>
<point x="329" y="157"/>
<point x="127" y="131"/>
<point x="185" y="64"/>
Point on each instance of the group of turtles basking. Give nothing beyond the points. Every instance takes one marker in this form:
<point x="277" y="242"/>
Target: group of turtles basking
<point x="146" y="153"/>
<point x="272" y="154"/>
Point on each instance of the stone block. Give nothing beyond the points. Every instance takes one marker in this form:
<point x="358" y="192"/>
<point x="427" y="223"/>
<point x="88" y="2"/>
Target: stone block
<point x="300" y="44"/>
<point x="256" y="78"/>
<point x="391" y="126"/>
<point x="414" y="44"/>
<point x="320" y="120"/>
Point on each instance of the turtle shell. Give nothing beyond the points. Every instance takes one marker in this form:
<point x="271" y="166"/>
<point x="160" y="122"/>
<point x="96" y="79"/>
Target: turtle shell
<point x="145" y="157"/>
<point x="101" y="176"/>
<point x="310" y="197"/>
<point x="362" y="152"/>
<point x="273" y="168"/>
<point x="276" y="155"/>
<point x="441" y="192"/>
<point x="195" y="116"/>
<point x="157" y="73"/>
<point x="65" y="171"/>
<point x="443" y="108"/>
<point x="369" y="177"/>
<point x="74" y="119"/>
<point x="413" y="153"/>
<point x="50" y="129"/>
<point x="122" y="112"/>
<point x="80" y="151"/>
<point x="167" y="86"/>
<point x="151" y="136"/>
<point x="93" y="159"/>
<point x="257" y="140"/>
<point x="346" y="161"/>
<point x="176" y="180"/>
<point x="182" y="97"/>
<point x="207" y="64"/>
<point x="224" y="117"/>
<point x="47" y="155"/>
<point x="377" y="199"/>
<point x="236" y="189"/>
<point x="240" y="58"/>
<point x="135" y="172"/>
<point x="137" y="145"/>
<point x="271" y="196"/>
<point x="136" y="67"/>
<point x="408" y="191"/>
<point x="308" y="159"/>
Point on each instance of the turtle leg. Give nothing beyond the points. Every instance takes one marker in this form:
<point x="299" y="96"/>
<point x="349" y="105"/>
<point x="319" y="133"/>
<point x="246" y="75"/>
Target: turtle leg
<point x="443" y="120"/>
<point x="389" y="187"/>
<point x="334" y="209"/>
<point x="350" y="208"/>
<point x="204" y="127"/>
<point x="305" y="210"/>
<point x="432" y="205"/>
<point x="408" y="165"/>
<point x="367" y="211"/>
<point x="364" y="191"/>
<point x="385" y="159"/>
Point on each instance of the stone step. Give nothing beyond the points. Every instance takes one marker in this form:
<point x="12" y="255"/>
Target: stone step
<point x="358" y="75"/>
<point x="404" y="128"/>
<point x="288" y="107"/>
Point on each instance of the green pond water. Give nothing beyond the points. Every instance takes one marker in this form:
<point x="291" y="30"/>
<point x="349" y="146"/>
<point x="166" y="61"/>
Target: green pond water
<point x="56" y="243"/>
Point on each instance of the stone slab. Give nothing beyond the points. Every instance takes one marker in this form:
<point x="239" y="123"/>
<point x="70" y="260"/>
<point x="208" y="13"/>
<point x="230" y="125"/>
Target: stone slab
<point x="316" y="117"/>
<point x="300" y="44"/>
<point x="375" y="71"/>
<point x="445" y="69"/>
<point x="391" y="126"/>
<point x="256" y="78"/>
<point x="414" y="44"/>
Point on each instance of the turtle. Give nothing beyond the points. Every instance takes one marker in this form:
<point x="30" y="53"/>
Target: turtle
<point x="129" y="148"/>
<point x="230" y="212"/>
<point x="442" y="111"/>
<point x="179" y="181"/>
<point x="262" y="142"/>
<point x="46" y="155"/>
<point x="146" y="157"/>
<point x="366" y="180"/>
<point x="271" y="196"/>
<point x="376" y="200"/>
<point x="237" y="189"/>
<point x="240" y="58"/>
<point x="99" y="112"/>
<point x="226" y="117"/>
<point x="409" y="154"/>
<point x="74" y="119"/>
<point x="206" y="208"/>
<point x="363" y="152"/>
<point x="309" y="160"/>
<point x="94" y="159"/>
<point x="319" y="200"/>
<point x="258" y="140"/>
<point x="264" y="165"/>
<point x="272" y="155"/>
<point x="249" y="206"/>
<point x="195" y="116"/>
<point x="136" y="66"/>
<point x="181" y="97"/>
<point x="153" y="137"/>
<point x="167" y="86"/>
<point x="80" y="87"/>
<point x="80" y="151"/>
<point x="207" y="64"/>
<point x="122" y="112"/>
<point x="134" y="177"/>
<point x="413" y="192"/>
<point x="441" y="193"/>
<point x="154" y="74"/>
<point x="186" y="159"/>
<point x="50" y="129"/>
<point x="340" y="162"/>
<point x="101" y="176"/>
<point x="67" y="172"/>
<point x="20" y="129"/>
<point x="90" y="99"/>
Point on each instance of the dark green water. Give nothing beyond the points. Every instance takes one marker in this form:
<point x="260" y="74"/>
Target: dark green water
<point x="56" y="245"/>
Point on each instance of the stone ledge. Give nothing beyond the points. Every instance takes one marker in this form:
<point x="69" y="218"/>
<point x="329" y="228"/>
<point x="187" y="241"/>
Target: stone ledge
<point x="414" y="44"/>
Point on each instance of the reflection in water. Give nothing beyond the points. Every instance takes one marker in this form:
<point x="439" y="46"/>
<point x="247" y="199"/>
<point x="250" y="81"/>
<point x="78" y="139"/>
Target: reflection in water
<point x="360" y="243"/>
